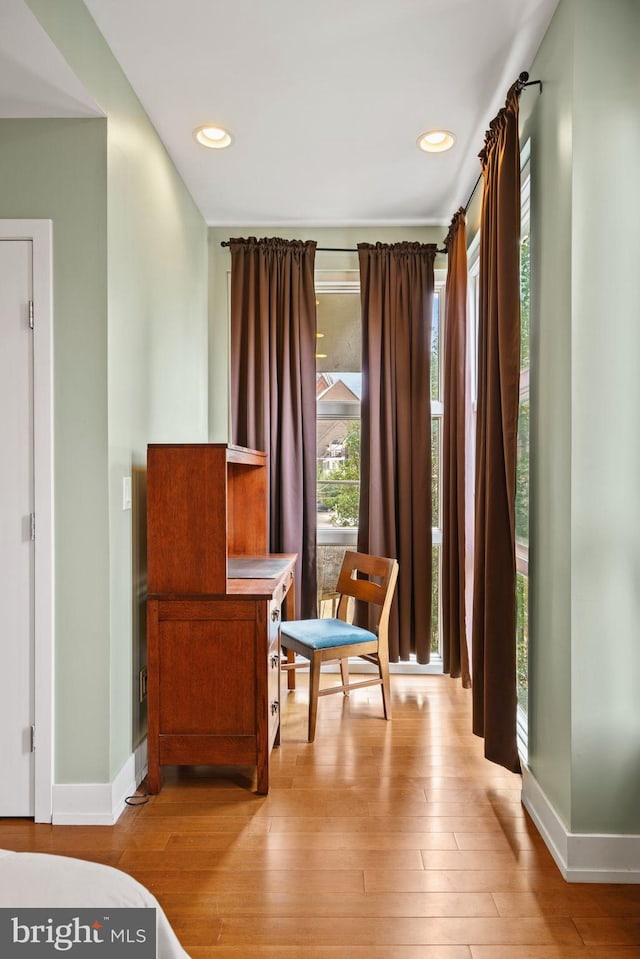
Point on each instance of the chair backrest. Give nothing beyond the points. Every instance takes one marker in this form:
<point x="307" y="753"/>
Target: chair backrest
<point x="376" y="590"/>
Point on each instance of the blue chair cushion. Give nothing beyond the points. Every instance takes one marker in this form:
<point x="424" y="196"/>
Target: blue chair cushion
<point x="325" y="633"/>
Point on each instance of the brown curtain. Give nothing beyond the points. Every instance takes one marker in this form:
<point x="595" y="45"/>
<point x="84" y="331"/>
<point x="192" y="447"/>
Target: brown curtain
<point x="273" y="326"/>
<point x="455" y="652"/>
<point x="494" y="599"/>
<point x="396" y="284"/>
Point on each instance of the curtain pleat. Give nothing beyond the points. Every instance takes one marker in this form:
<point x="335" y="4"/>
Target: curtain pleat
<point x="273" y="326"/>
<point x="455" y="652"/>
<point x="397" y="283"/>
<point x="494" y="603"/>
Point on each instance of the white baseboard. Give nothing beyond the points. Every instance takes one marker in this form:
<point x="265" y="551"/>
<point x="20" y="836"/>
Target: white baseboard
<point x="140" y="756"/>
<point x="581" y="857"/>
<point x="99" y="804"/>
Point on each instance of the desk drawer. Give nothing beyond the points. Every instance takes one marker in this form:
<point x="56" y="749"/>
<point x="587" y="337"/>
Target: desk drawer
<point x="275" y="618"/>
<point x="273" y="691"/>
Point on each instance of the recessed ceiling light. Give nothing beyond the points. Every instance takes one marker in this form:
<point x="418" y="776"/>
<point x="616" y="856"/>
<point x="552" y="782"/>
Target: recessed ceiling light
<point x="217" y="138"/>
<point x="319" y="336"/>
<point x="321" y="356"/>
<point x="436" y="141"/>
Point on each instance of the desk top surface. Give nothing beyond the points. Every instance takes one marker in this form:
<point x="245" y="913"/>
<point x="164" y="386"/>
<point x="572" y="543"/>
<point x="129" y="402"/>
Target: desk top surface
<point x="267" y="574"/>
<point x="258" y="575"/>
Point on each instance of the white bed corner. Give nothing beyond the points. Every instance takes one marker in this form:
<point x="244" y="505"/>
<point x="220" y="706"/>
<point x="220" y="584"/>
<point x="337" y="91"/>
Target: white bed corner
<point x="31" y="880"/>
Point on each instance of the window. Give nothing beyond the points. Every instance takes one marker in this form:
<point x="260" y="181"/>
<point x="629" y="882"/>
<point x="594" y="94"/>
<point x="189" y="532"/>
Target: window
<point x="437" y="410"/>
<point x="522" y="460"/>
<point x="338" y="391"/>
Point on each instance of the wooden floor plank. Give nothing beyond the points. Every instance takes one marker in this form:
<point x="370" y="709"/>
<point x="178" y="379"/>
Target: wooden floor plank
<point x="346" y="905"/>
<point x="611" y="932"/>
<point x="464" y="880"/>
<point x="549" y="951"/>
<point x="333" y="952"/>
<point x="406" y="931"/>
<point x="313" y="840"/>
<point x="389" y="823"/>
<point x="236" y="859"/>
<point x="576" y="901"/>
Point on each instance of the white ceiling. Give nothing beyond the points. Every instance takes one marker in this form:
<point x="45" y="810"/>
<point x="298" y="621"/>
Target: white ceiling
<point x="325" y="100"/>
<point x="35" y="79"/>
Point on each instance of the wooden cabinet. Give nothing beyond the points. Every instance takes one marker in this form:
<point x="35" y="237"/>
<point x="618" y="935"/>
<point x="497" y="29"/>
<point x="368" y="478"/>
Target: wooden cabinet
<point x="215" y="600"/>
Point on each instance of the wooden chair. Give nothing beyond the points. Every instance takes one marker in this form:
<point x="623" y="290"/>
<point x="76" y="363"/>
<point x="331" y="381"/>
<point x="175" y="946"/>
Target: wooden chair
<point x="330" y="640"/>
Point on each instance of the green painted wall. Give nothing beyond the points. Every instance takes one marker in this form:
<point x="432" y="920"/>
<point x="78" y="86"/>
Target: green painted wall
<point x="605" y="556"/>
<point x="57" y="169"/>
<point x="154" y="363"/>
<point x="551" y="131"/>
<point x="584" y="719"/>
<point x="219" y="272"/>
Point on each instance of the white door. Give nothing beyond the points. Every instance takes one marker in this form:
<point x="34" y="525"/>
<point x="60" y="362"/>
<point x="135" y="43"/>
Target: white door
<point x="16" y="544"/>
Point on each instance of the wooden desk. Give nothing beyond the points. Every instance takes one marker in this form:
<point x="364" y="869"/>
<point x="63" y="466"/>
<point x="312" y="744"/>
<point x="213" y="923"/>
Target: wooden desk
<point x="213" y="610"/>
<point x="214" y="675"/>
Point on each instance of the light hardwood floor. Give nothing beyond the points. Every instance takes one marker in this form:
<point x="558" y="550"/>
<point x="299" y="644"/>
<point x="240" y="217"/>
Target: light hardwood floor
<point x="378" y="841"/>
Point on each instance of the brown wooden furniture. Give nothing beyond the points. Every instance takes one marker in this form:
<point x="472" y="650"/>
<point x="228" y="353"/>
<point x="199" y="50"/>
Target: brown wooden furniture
<point x="213" y="610"/>
<point x="330" y="640"/>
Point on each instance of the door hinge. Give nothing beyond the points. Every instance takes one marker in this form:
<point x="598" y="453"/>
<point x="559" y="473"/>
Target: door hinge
<point x="31" y="314"/>
<point x="32" y="521"/>
<point x="33" y="739"/>
<point x="142" y="684"/>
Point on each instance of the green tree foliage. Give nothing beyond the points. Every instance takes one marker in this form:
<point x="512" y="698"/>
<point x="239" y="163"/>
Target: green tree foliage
<point x="343" y="499"/>
<point x="522" y="480"/>
<point x="522" y="462"/>
<point x="522" y="475"/>
<point x="522" y="638"/>
<point x="435" y="470"/>
<point x="525" y="301"/>
<point x="435" y="350"/>
<point x="435" y="595"/>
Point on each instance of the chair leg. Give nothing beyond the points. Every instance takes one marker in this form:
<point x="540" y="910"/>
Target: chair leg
<point x="291" y="673"/>
<point x="314" y="687"/>
<point x="344" y="671"/>
<point x="383" y="666"/>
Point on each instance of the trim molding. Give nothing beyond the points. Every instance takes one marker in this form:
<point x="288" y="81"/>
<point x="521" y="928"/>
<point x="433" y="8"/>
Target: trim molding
<point x="99" y="804"/>
<point x="580" y="857"/>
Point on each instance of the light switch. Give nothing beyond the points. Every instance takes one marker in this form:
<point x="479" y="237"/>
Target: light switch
<point x="126" y="492"/>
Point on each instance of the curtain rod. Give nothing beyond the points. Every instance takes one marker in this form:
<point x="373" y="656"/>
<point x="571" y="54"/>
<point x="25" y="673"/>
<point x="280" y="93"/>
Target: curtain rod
<point x="319" y="249"/>
<point x="329" y="249"/>
<point x="475" y="187"/>
<point x="522" y="82"/>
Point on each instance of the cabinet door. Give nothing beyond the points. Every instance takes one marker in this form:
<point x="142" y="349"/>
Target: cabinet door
<point x="186" y="519"/>
<point x="206" y="678"/>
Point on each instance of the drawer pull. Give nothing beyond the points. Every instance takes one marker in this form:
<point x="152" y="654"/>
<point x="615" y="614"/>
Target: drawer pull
<point x="275" y="661"/>
<point x="275" y="706"/>
<point x="275" y="615"/>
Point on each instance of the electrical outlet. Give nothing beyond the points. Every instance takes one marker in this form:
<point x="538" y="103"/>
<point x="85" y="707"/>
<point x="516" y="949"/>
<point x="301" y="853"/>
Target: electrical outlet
<point x="142" y="684"/>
